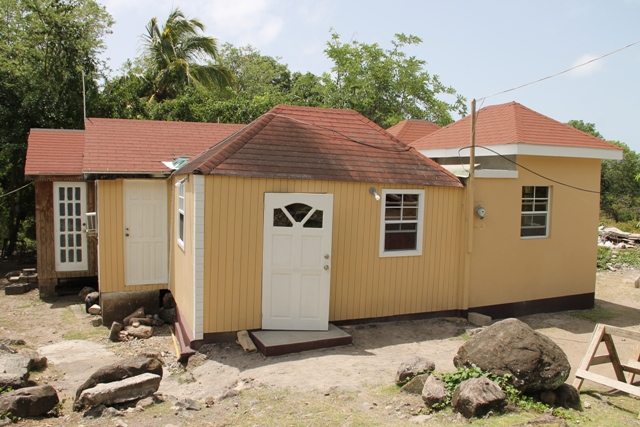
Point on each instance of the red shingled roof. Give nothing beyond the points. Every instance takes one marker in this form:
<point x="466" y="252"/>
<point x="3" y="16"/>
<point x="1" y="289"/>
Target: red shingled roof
<point x="54" y="152"/>
<point x="510" y="123"/>
<point x="408" y="131"/>
<point x="139" y="146"/>
<point x="320" y="144"/>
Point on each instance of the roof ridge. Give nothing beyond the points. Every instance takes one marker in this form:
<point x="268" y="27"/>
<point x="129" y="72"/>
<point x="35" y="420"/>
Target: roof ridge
<point x="373" y="125"/>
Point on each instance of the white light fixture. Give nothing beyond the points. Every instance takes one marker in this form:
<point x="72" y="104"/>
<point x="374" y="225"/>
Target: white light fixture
<point x="373" y="192"/>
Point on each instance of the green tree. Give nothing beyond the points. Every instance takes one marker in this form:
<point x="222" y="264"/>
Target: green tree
<point x="172" y="54"/>
<point x="46" y="44"/>
<point x="386" y="85"/>
<point x="619" y="188"/>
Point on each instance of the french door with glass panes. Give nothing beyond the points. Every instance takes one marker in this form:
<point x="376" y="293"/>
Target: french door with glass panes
<point x="69" y="212"/>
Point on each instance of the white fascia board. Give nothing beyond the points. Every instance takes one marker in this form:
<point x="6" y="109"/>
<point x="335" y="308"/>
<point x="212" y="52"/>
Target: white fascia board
<point x="495" y="173"/>
<point x="528" y="150"/>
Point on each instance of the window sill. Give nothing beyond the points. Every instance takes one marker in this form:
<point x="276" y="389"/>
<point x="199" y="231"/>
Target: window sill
<point x="391" y="254"/>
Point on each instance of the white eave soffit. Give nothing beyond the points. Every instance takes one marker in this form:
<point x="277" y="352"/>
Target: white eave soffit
<point x="528" y="150"/>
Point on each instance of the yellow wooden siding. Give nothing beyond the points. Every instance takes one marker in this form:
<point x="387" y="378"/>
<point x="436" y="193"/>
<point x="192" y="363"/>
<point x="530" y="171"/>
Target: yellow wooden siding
<point x="110" y="215"/>
<point x="363" y="285"/>
<point x="506" y="268"/>
<point x="182" y="271"/>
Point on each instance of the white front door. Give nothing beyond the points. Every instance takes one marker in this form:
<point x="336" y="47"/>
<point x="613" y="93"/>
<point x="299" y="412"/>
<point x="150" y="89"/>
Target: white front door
<point x="145" y="232"/>
<point x="296" y="261"/>
<point x="69" y="216"/>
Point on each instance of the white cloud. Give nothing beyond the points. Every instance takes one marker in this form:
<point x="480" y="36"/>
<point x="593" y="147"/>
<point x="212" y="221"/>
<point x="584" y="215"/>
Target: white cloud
<point x="589" y="68"/>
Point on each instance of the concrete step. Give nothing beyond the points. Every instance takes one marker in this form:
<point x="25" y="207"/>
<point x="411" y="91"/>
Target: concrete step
<point x="277" y="343"/>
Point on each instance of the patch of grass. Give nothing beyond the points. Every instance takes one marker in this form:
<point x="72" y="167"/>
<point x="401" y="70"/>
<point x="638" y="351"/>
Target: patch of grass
<point x="595" y="315"/>
<point x="81" y="330"/>
<point x="604" y="257"/>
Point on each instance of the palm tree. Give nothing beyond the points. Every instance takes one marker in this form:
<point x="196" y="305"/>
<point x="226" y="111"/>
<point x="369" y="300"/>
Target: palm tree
<point x="174" y="56"/>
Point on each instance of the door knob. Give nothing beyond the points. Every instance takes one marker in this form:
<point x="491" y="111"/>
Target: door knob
<point x="326" y="256"/>
<point x="326" y="267"/>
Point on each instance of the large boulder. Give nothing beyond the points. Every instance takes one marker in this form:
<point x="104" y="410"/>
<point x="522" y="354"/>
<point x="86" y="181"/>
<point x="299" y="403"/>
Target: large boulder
<point x="118" y="372"/>
<point x="29" y="401"/>
<point x="511" y="346"/>
<point x="129" y="389"/>
<point x="416" y="365"/>
<point x="477" y="396"/>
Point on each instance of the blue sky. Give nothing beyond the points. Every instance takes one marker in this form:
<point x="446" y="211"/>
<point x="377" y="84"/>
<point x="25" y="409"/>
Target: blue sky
<point x="477" y="47"/>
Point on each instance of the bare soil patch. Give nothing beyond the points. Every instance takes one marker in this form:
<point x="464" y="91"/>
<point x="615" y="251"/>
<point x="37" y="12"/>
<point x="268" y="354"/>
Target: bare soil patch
<point x="345" y="386"/>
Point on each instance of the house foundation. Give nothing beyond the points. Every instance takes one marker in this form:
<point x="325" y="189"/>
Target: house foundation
<point x="118" y="305"/>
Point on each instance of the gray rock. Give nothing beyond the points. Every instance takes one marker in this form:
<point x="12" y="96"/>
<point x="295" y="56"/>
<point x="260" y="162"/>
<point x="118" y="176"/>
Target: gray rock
<point x="434" y="391"/>
<point x="97" y="321"/>
<point x="14" y="370"/>
<point x="568" y="396"/>
<point x="95" y="310"/>
<point x="417" y="365"/>
<point x="29" y="401"/>
<point x="167" y="314"/>
<point x="138" y="313"/>
<point x="141" y="332"/>
<point x="12" y="342"/>
<point x="118" y="371"/>
<point x="415" y="384"/>
<point x="511" y="346"/>
<point x="114" y="332"/>
<point x="133" y="388"/>
<point x="477" y="396"/>
<point x="6" y="349"/>
<point x="94" y="412"/>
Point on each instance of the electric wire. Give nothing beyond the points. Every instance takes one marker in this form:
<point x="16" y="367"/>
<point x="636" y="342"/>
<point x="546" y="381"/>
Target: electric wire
<point x="17" y="189"/>
<point x="529" y="170"/>
<point x="561" y="72"/>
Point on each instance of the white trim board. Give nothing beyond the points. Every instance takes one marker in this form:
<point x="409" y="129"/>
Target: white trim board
<point x="198" y="256"/>
<point x="528" y="150"/>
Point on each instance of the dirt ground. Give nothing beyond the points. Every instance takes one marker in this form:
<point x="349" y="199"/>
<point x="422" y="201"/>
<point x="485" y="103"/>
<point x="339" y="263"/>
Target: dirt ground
<point x="344" y="386"/>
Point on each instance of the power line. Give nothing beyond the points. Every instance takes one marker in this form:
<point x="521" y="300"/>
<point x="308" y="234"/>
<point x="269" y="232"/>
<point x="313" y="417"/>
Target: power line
<point x="17" y="189"/>
<point x="561" y="72"/>
<point x="529" y="170"/>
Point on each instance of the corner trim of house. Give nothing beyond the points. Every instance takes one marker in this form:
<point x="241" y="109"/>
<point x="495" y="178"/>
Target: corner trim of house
<point x="198" y="256"/>
<point x="546" y="305"/>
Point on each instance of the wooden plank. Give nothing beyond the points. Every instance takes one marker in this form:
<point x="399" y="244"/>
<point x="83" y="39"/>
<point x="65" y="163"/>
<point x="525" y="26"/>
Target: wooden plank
<point x="634" y="358"/>
<point x="615" y="360"/>
<point x="596" y="338"/>
<point x="632" y="367"/>
<point x="601" y="379"/>
<point x="624" y="333"/>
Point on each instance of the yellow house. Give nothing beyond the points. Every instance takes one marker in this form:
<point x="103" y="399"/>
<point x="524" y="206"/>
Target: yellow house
<point x="536" y="196"/>
<point x="308" y="216"/>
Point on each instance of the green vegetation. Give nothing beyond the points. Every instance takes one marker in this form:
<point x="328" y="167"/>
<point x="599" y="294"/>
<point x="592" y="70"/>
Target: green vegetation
<point x="595" y="315"/>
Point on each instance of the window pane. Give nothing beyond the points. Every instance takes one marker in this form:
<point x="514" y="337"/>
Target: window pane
<point x="78" y="239"/>
<point x="399" y="240"/>
<point x="410" y="199"/>
<point x="63" y="255"/>
<point x="392" y="214"/>
<point x="315" y="220"/>
<point x="181" y="227"/>
<point x="526" y="221"/>
<point x="78" y="255"/>
<point x="69" y="193"/>
<point x="62" y="223"/>
<point x="409" y="227"/>
<point x="70" y="222"/>
<point x="70" y="240"/>
<point x="393" y="200"/>
<point x="541" y="206"/>
<point x="78" y="209"/>
<point x="69" y="209"/>
<point x="542" y="192"/>
<point x="539" y="220"/>
<point x="298" y="211"/>
<point x="280" y="219"/>
<point x="61" y="209"/>
<point x="71" y="253"/>
<point x="527" y="206"/>
<point x="78" y="224"/>
<point x="527" y="192"/>
<point x="533" y="232"/>
<point x="63" y="240"/>
<point x="410" y="213"/>
<point x="77" y="193"/>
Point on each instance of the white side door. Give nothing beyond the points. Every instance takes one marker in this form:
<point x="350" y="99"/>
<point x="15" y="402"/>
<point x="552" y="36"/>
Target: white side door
<point x="296" y="261"/>
<point x="69" y="217"/>
<point x="145" y="232"/>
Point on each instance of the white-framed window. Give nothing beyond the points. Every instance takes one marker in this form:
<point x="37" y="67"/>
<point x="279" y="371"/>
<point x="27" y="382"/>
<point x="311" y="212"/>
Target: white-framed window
<point x="180" y="227"/>
<point x="535" y="212"/>
<point x="401" y="222"/>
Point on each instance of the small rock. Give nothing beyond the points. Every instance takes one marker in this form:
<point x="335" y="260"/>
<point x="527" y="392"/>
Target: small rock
<point x="145" y="403"/>
<point x="136" y="314"/>
<point x="141" y="332"/>
<point x="84" y="292"/>
<point x="6" y="349"/>
<point x="96" y="321"/>
<point x="115" y="331"/>
<point x="568" y="396"/>
<point x="415" y="384"/>
<point x="29" y="401"/>
<point x="417" y="365"/>
<point x="95" y="310"/>
<point x="434" y="391"/>
<point x="477" y="396"/>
